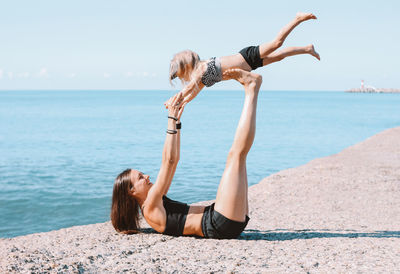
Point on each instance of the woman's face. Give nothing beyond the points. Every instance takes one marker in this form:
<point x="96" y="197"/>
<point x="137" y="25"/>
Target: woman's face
<point x="140" y="183"/>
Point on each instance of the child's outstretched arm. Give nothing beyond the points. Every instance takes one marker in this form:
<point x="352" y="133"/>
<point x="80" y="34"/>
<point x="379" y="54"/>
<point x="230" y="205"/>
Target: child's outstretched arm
<point x="189" y="91"/>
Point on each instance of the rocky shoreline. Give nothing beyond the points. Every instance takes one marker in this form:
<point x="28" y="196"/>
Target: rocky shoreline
<point x="335" y="214"/>
<point x="373" y="90"/>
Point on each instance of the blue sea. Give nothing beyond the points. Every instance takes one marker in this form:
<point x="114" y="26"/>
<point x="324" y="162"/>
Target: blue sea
<point x="61" y="150"/>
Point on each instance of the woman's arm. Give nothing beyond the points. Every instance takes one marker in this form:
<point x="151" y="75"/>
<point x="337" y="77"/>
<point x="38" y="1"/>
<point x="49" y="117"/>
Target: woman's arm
<point x="171" y="151"/>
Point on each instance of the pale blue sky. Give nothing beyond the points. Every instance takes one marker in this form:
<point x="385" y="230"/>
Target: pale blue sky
<point x="49" y="44"/>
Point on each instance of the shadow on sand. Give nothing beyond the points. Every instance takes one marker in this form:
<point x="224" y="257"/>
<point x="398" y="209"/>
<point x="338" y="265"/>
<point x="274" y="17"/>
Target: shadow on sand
<point x="287" y="235"/>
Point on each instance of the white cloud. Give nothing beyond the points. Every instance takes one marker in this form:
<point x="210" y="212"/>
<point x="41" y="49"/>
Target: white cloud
<point x="43" y="73"/>
<point x="1" y="73"/>
<point x="128" y="74"/>
<point x="71" y="75"/>
<point x="10" y="74"/>
<point x="106" y="75"/>
<point x="146" y="74"/>
<point x="23" y="75"/>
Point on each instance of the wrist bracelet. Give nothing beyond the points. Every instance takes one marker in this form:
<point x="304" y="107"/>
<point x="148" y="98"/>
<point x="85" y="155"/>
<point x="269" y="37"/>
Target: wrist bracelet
<point x="171" y="131"/>
<point x="171" y="117"/>
<point x="178" y="125"/>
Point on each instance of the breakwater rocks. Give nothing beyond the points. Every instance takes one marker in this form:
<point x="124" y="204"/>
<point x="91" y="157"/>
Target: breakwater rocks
<point x="374" y="90"/>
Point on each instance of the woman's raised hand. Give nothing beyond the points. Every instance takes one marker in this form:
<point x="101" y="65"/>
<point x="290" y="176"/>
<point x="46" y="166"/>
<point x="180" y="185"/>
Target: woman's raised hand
<point x="175" y="106"/>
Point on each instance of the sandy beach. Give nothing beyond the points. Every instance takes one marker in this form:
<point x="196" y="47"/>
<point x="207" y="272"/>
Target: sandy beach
<point x="335" y="214"/>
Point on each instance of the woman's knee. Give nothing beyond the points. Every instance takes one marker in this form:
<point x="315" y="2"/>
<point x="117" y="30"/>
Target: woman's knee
<point x="237" y="155"/>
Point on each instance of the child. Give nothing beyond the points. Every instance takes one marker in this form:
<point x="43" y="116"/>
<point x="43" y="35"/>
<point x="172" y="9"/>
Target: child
<point x="195" y="73"/>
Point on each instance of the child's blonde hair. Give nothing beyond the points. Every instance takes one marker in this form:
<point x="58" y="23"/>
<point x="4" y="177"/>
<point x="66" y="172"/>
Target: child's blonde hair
<point x="186" y="57"/>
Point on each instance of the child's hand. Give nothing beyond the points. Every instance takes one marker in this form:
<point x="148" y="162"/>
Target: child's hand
<point x="168" y="102"/>
<point x="175" y="106"/>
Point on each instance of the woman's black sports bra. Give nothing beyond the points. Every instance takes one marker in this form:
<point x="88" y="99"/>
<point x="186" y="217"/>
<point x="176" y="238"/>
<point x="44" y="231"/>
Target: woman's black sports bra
<point x="176" y="216"/>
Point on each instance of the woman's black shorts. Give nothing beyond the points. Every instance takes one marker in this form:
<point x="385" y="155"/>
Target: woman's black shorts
<point x="216" y="226"/>
<point x="252" y="56"/>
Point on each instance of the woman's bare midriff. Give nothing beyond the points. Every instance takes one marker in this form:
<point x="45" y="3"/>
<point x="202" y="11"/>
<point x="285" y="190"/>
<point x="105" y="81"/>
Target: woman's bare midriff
<point x="193" y="221"/>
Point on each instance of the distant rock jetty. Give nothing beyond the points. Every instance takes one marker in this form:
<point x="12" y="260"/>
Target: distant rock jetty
<point x="370" y="89"/>
<point x="374" y="90"/>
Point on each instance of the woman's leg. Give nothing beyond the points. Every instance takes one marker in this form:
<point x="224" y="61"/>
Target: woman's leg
<point x="278" y="56"/>
<point x="268" y="48"/>
<point x="231" y="198"/>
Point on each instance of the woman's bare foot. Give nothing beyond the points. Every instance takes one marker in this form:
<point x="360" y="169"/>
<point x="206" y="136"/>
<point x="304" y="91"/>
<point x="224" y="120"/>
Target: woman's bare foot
<point x="244" y="77"/>
<point x="303" y="16"/>
<point x="311" y="50"/>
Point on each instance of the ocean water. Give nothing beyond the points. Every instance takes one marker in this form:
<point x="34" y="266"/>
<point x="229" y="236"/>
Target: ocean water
<point x="61" y="150"/>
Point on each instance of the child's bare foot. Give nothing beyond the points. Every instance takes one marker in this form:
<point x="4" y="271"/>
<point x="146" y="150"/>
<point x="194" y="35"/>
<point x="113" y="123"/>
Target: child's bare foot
<point x="244" y="77"/>
<point x="303" y="16"/>
<point x="311" y="50"/>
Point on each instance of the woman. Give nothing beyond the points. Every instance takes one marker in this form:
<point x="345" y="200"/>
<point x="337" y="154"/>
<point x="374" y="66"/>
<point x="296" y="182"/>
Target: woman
<point x="196" y="74"/>
<point x="224" y="219"/>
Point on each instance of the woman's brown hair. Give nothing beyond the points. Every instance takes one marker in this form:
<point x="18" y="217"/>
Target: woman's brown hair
<point x="124" y="208"/>
<point x="178" y="62"/>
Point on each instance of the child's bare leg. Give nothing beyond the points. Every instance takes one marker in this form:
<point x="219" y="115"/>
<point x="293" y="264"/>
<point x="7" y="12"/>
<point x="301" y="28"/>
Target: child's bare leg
<point x="268" y="48"/>
<point x="278" y="56"/>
